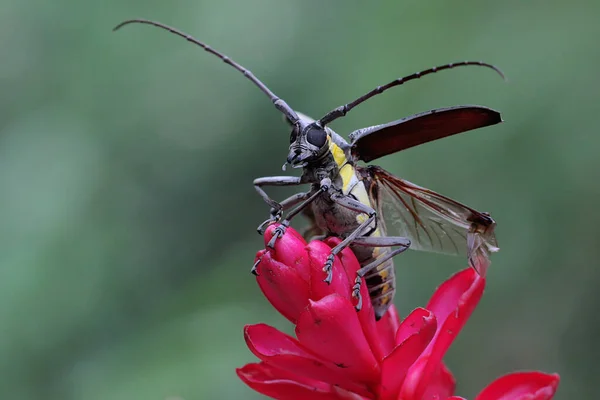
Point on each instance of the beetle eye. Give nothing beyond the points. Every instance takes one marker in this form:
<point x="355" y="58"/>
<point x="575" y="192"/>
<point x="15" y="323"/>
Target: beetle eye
<point x="316" y="137"/>
<point x="293" y="135"/>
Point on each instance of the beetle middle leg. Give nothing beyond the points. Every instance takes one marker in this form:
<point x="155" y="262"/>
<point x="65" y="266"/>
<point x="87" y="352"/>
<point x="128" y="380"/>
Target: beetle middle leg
<point x="354" y="205"/>
<point x="357" y="238"/>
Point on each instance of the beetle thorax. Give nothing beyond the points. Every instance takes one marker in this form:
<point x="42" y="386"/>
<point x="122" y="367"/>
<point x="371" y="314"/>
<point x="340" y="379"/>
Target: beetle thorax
<point x="326" y="167"/>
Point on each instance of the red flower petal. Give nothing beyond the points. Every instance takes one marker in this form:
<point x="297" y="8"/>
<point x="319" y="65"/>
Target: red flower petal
<point x="395" y="366"/>
<point x="282" y="286"/>
<point x="340" y="283"/>
<point x="366" y="315"/>
<point x="452" y="304"/>
<point x="465" y="291"/>
<point x="418" y="319"/>
<point x="449" y="295"/>
<point x="344" y="273"/>
<point x="290" y="250"/>
<point x="279" y="384"/>
<point x="387" y="327"/>
<point x="283" y="351"/>
<point x="441" y="385"/>
<point x="521" y="385"/>
<point x="330" y="327"/>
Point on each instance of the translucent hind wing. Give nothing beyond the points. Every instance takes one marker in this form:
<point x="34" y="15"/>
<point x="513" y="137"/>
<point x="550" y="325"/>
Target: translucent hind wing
<point x="431" y="221"/>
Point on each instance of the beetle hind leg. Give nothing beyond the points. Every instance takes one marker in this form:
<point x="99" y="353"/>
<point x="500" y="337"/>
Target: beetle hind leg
<point x="368" y="241"/>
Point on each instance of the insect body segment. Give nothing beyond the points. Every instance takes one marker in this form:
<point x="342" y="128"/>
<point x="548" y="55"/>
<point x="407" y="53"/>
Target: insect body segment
<point x="375" y="213"/>
<point x="346" y="171"/>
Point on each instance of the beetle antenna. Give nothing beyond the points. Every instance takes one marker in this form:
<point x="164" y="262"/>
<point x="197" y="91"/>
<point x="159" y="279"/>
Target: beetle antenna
<point x="343" y="110"/>
<point x="280" y="104"/>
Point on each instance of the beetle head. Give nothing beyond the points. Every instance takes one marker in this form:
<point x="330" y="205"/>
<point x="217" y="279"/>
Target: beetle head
<point x="308" y="143"/>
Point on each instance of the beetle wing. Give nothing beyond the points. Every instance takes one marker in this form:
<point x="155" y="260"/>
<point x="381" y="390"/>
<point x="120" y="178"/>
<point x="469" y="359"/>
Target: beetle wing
<point x="431" y="221"/>
<point x="380" y="140"/>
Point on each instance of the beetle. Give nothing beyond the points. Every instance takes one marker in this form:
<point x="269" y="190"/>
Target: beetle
<point x="375" y="213"/>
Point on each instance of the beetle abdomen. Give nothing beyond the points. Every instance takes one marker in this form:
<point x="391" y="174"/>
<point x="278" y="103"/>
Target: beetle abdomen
<point x="381" y="282"/>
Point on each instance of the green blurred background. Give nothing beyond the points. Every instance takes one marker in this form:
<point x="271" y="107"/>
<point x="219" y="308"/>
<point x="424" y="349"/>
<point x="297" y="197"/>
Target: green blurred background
<point x="126" y="161"/>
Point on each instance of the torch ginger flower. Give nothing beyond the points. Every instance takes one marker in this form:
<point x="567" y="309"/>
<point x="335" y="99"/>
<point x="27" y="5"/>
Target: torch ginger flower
<point x="339" y="353"/>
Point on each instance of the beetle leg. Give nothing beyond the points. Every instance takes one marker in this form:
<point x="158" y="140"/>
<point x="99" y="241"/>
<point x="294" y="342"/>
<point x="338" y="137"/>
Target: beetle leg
<point x="276" y="208"/>
<point x="354" y="205"/>
<point x="380" y="241"/>
<point x="312" y="195"/>
<point x="383" y="241"/>
<point x="285" y="205"/>
<point x="253" y="270"/>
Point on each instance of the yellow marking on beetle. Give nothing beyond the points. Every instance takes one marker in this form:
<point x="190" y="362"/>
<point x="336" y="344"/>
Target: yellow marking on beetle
<point x="346" y="170"/>
<point x="384" y="300"/>
<point x="347" y="173"/>
<point x="383" y="274"/>
<point x="385" y="288"/>
<point x="360" y="192"/>
<point x="351" y="184"/>
<point x="360" y="218"/>
<point x="376" y="252"/>
<point x="337" y="152"/>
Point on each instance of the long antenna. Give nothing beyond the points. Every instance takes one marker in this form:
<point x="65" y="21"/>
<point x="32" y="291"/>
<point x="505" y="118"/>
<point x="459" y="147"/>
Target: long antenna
<point x="280" y="104"/>
<point x="342" y="110"/>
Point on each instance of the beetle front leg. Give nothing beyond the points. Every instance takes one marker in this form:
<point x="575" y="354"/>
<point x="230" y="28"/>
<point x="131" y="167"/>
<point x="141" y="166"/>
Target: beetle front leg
<point x="276" y="208"/>
<point x="285" y="205"/>
<point x="280" y="230"/>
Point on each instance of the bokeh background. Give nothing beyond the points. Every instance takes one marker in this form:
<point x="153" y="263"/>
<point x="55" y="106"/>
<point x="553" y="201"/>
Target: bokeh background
<point x="126" y="160"/>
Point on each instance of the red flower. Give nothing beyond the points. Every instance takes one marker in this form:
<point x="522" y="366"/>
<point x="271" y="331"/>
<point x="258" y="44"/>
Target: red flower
<point x="339" y="353"/>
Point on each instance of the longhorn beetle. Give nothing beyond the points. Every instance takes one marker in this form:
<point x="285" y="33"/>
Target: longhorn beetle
<point x="363" y="205"/>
